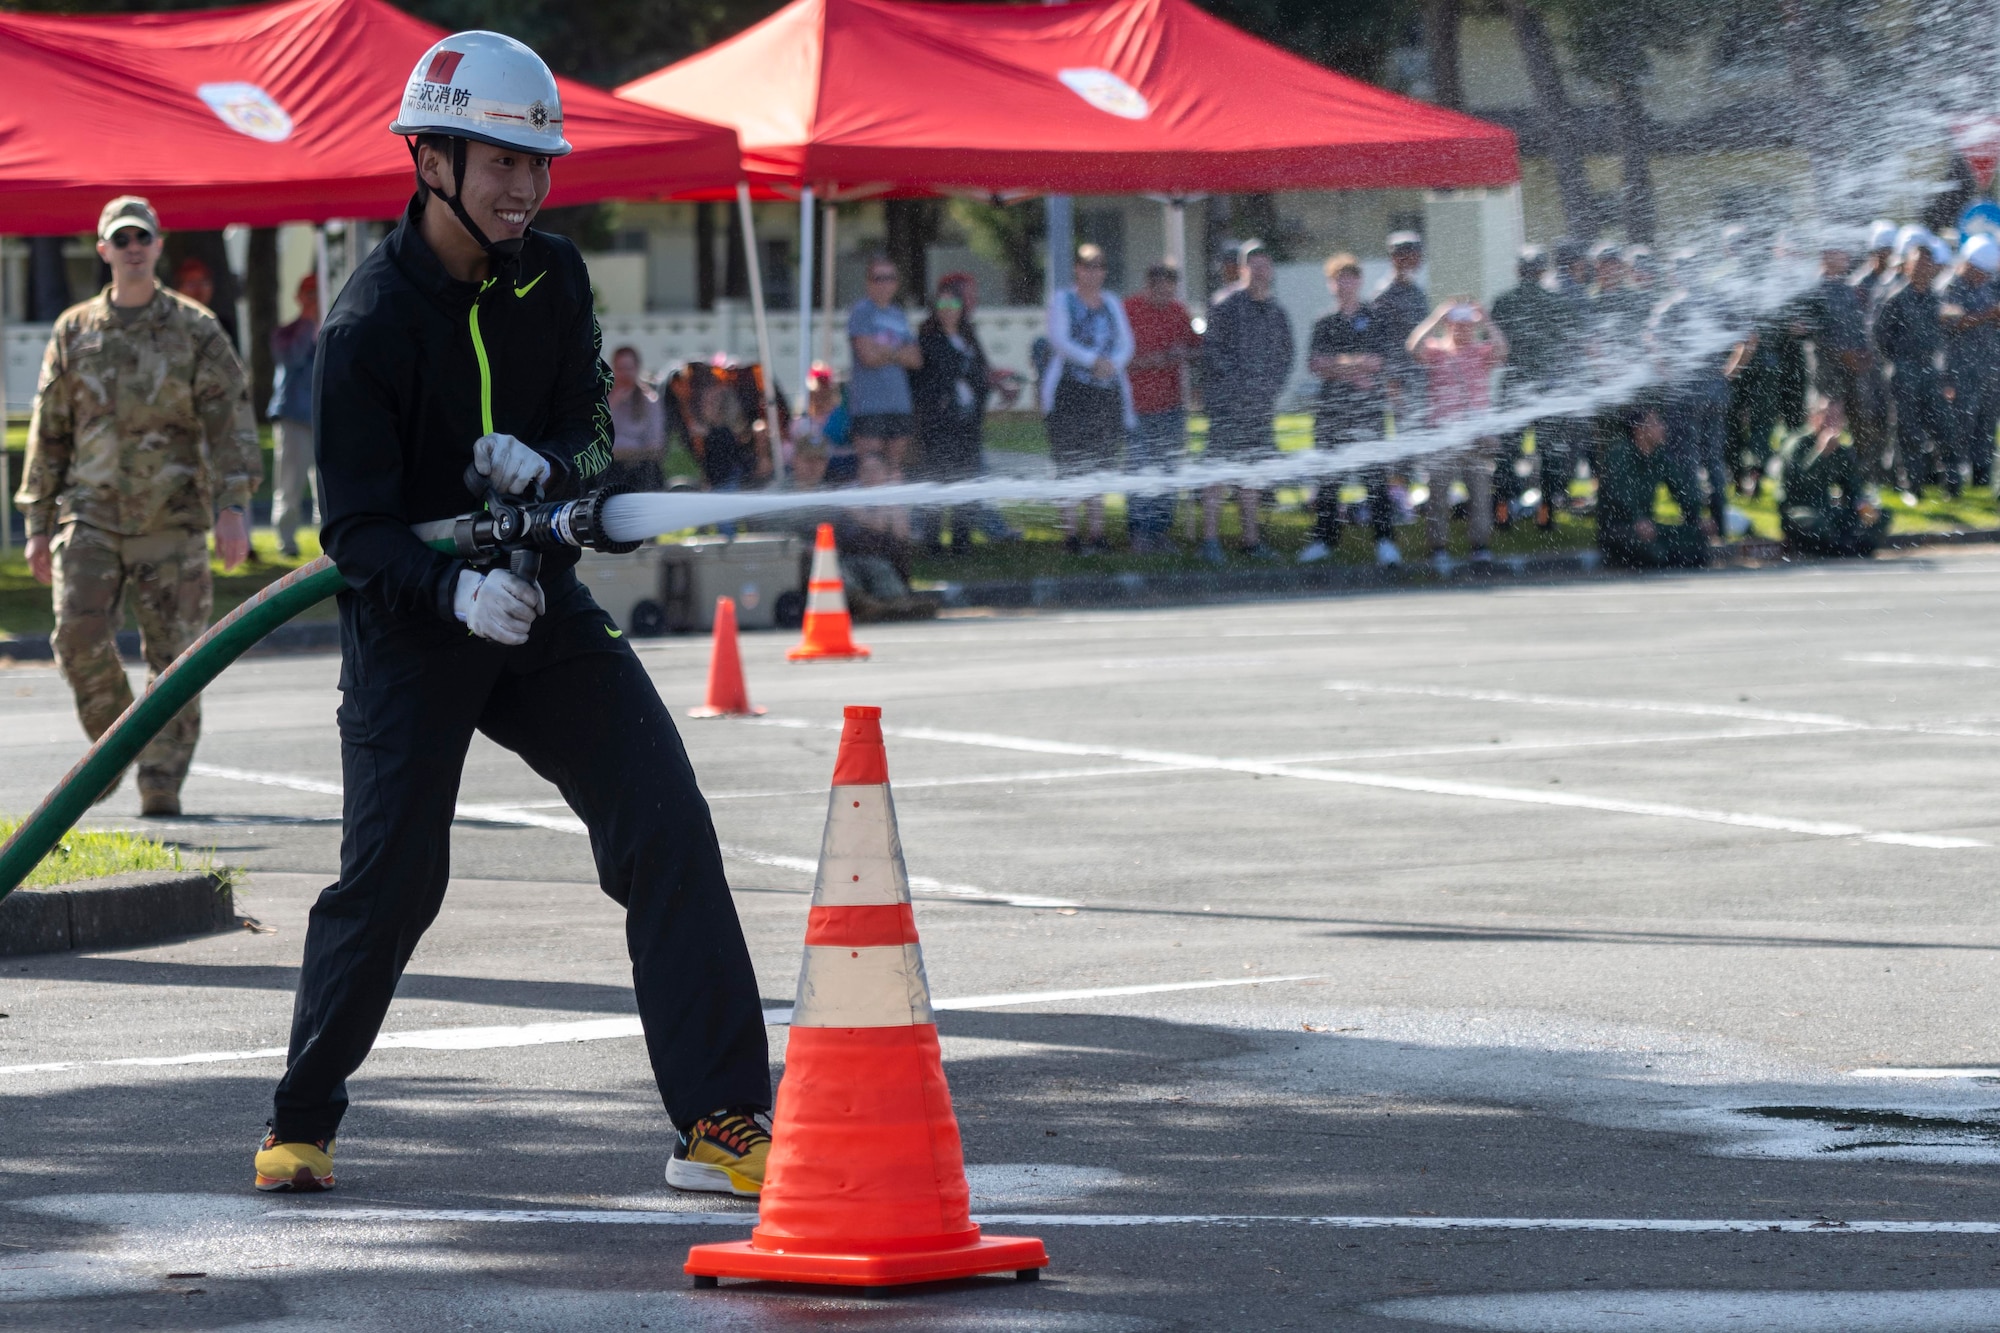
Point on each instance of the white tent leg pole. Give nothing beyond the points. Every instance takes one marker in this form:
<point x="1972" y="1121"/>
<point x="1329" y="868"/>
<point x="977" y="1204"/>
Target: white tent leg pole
<point x="805" y="290"/>
<point x="1177" y="241"/>
<point x="322" y="266"/>
<point x="1062" y="237"/>
<point x="763" y="334"/>
<point x="827" y="256"/>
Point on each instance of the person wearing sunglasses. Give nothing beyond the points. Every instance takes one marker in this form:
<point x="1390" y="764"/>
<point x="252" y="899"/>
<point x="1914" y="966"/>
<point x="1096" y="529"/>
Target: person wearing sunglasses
<point x="141" y="442"/>
<point x="878" y="391"/>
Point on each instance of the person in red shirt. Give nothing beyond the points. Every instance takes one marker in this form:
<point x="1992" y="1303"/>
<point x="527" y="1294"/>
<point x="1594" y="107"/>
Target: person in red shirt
<point x="1164" y="342"/>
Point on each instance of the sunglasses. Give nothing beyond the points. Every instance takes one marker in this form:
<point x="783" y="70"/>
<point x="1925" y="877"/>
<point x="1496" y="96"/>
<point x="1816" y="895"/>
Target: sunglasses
<point x="127" y="236"/>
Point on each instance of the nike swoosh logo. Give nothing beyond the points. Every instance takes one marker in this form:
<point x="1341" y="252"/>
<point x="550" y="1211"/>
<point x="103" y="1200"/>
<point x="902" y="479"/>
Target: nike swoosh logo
<point x="614" y="633"/>
<point x="523" y="291"/>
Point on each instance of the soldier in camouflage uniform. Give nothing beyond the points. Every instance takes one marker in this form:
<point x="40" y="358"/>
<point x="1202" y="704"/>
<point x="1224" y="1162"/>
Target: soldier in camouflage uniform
<point x="141" y="431"/>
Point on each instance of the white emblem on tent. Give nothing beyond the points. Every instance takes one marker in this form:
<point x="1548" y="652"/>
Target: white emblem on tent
<point x="1107" y="92"/>
<point x="247" y="109"/>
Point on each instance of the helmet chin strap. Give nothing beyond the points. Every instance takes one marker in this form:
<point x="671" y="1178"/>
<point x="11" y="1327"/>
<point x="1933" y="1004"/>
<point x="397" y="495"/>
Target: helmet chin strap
<point x="505" y="251"/>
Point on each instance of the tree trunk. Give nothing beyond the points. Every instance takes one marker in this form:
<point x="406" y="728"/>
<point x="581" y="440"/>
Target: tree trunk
<point x="704" y="256"/>
<point x="1023" y="245"/>
<point x="48" y="279"/>
<point x="912" y="226"/>
<point x="260" y="291"/>
<point x="1815" y="128"/>
<point x="1441" y="46"/>
<point x="735" y="262"/>
<point x="1635" y="195"/>
<point x="1553" y="117"/>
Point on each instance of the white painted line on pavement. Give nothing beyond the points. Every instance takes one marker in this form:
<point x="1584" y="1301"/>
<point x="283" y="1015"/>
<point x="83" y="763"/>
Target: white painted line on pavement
<point x="502" y="1037"/>
<point x="528" y="817"/>
<point x="1929" y="1074"/>
<point x="909" y="784"/>
<point x="1109" y="992"/>
<point x="1515" y="747"/>
<point x="805" y="865"/>
<point x="1433" y="786"/>
<point x="1747" y="714"/>
<point x="1920" y="659"/>
<point x="1674" y="1225"/>
<point x="489" y="814"/>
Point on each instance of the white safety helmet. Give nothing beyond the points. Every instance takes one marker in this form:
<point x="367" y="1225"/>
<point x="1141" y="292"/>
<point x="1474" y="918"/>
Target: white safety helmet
<point x="1983" y="253"/>
<point x="1882" y="236"/>
<point x="484" y="86"/>
<point x="1920" y="238"/>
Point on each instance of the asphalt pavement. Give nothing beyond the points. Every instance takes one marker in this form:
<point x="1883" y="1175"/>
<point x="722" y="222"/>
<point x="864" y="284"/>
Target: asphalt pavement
<point x="1610" y="955"/>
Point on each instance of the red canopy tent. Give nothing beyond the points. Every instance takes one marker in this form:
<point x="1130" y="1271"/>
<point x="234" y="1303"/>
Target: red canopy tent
<point x="855" y="99"/>
<point x="277" y="113"/>
<point x="870" y="97"/>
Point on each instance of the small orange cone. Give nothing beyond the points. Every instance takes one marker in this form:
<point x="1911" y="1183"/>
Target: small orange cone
<point x="728" y="696"/>
<point x="829" y="632"/>
<point x="865" y="1185"/>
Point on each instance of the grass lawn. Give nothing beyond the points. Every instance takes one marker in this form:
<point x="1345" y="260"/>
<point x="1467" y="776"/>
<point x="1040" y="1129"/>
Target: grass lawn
<point x="1287" y="520"/>
<point x="93" y="853"/>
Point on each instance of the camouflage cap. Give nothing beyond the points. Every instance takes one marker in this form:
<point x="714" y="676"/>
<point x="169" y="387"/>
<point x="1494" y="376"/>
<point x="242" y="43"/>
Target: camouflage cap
<point x="127" y="210"/>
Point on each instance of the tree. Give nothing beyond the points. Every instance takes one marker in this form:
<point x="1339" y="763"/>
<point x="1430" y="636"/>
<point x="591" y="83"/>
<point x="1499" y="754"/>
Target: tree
<point x="1555" y="123"/>
<point x="1012" y="236"/>
<point x="1613" y="42"/>
<point x="1351" y="36"/>
<point x="1441" y="20"/>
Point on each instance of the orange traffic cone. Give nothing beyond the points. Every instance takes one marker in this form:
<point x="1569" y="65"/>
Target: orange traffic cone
<point x="866" y="1184"/>
<point x="829" y="632"/>
<point x="728" y="696"/>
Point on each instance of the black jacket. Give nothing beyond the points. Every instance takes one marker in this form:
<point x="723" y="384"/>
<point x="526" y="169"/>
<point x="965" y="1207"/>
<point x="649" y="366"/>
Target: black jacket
<point x="1907" y="331"/>
<point x="950" y="430"/>
<point x="400" y="394"/>
<point x="1246" y="355"/>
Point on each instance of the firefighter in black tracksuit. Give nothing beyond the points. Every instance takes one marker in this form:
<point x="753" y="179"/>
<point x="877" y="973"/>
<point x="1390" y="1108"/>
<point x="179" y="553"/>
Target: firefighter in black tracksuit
<point x="414" y="365"/>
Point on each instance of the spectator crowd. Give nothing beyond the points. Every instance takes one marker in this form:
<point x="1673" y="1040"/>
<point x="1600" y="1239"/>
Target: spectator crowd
<point x="1882" y="377"/>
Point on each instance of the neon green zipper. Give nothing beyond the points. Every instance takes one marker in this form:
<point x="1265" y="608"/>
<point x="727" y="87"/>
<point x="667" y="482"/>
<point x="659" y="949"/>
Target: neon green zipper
<point x="485" y="367"/>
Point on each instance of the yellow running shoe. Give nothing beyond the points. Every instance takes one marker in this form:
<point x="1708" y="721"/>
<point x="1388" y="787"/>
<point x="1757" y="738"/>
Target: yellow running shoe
<point x="723" y="1153"/>
<point x="302" y="1168"/>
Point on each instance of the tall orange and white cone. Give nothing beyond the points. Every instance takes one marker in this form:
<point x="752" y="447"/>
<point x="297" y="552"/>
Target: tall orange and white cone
<point x="865" y="1185"/>
<point x="829" y="630"/>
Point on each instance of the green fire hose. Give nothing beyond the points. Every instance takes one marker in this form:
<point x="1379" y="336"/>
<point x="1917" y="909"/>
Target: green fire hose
<point x="226" y="640"/>
<point x="506" y="530"/>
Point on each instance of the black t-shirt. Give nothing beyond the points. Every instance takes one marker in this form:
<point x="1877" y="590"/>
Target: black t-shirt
<point x="1344" y="405"/>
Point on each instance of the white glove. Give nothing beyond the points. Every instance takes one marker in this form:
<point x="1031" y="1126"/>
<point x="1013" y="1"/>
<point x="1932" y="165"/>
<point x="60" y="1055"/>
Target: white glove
<point x="499" y="606"/>
<point x="511" y="466"/>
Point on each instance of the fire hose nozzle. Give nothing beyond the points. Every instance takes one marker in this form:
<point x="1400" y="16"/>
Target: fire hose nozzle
<point x="507" y="525"/>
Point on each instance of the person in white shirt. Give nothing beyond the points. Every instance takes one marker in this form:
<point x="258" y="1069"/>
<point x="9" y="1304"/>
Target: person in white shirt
<point x="1086" y="397"/>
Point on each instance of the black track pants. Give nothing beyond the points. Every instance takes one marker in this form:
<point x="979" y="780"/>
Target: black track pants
<point x="576" y="704"/>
